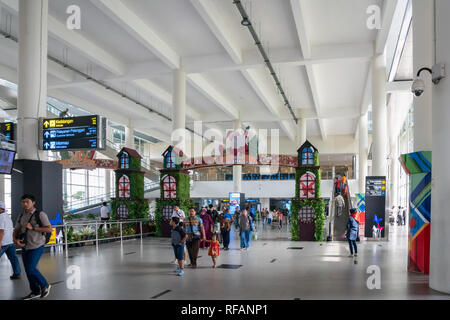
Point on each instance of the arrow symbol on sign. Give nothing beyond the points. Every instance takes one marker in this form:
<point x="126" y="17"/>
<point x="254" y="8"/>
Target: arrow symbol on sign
<point x="46" y="145"/>
<point x="46" y="124"/>
<point x="46" y="134"/>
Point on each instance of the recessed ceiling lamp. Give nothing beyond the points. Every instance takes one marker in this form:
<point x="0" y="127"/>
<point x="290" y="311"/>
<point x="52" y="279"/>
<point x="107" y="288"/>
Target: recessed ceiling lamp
<point x="245" y="22"/>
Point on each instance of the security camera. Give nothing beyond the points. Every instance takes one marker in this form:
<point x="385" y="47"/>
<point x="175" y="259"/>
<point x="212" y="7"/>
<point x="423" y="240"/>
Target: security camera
<point x="418" y="87"/>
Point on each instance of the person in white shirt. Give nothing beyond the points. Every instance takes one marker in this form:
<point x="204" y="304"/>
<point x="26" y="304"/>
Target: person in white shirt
<point x="6" y="241"/>
<point x="104" y="214"/>
<point x="269" y="217"/>
<point x="177" y="212"/>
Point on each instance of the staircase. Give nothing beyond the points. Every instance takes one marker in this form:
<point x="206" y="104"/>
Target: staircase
<point x="339" y="222"/>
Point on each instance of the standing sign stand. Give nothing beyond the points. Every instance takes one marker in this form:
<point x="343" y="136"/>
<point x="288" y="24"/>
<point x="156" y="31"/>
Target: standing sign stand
<point x="375" y="216"/>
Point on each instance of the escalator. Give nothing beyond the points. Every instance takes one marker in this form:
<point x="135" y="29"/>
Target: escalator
<point x="340" y="215"/>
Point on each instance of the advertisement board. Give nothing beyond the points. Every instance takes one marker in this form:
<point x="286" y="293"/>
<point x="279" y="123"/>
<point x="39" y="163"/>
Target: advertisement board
<point x="375" y="202"/>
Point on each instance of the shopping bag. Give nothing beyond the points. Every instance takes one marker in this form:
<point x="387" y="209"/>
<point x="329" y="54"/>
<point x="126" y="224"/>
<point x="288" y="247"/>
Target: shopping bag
<point x="254" y="235"/>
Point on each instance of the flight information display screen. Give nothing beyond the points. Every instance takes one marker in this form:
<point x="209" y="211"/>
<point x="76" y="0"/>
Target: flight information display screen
<point x="76" y="133"/>
<point x="7" y="130"/>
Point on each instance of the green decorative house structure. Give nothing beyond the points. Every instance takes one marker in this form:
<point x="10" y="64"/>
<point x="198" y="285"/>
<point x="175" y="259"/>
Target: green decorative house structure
<point x="307" y="208"/>
<point x="175" y="190"/>
<point x="129" y="202"/>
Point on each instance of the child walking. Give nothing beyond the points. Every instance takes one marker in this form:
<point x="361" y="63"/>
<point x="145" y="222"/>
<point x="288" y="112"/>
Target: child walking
<point x="214" y="249"/>
<point x="178" y="239"/>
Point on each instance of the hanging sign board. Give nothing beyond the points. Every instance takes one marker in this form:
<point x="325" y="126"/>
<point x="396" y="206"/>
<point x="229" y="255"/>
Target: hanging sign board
<point x="77" y="133"/>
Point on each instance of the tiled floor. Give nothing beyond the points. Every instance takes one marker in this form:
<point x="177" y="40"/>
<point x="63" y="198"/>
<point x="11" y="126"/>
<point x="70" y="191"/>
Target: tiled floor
<point x="141" y="270"/>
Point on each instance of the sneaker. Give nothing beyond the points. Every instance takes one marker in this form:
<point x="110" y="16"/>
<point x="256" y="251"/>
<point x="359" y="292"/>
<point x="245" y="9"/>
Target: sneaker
<point x="242" y="249"/>
<point x="180" y="273"/>
<point x="45" y="291"/>
<point x="356" y="254"/>
<point x="177" y="270"/>
<point x="32" y="296"/>
<point x="174" y="262"/>
<point x="15" y="277"/>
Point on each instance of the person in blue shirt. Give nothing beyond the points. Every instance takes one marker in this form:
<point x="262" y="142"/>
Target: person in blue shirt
<point x="178" y="239"/>
<point x="352" y="232"/>
<point x="195" y="231"/>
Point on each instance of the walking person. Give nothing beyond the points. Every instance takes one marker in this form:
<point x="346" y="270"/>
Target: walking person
<point x="225" y="227"/>
<point x="404" y="216"/>
<point x="269" y="217"/>
<point x="245" y="224"/>
<point x="29" y="234"/>
<point x="178" y="239"/>
<point x="208" y="225"/>
<point x="196" y="232"/>
<point x="178" y="213"/>
<point x="337" y="189"/>
<point x="280" y="217"/>
<point x="104" y="215"/>
<point x="352" y="233"/>
<point x="213" y="251"/>
<point x="6" y="241"/>
<point x="264" y="217"/>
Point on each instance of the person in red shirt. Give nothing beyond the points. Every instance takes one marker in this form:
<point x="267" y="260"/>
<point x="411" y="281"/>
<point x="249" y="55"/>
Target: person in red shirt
<point x="337" y="189"/>
<point x="214" y="249"/>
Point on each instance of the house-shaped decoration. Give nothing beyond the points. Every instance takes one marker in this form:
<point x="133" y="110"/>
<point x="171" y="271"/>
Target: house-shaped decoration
<point x="129" y="202"/>
<point x="175" y="190"/>
<point x="307" y="206"/>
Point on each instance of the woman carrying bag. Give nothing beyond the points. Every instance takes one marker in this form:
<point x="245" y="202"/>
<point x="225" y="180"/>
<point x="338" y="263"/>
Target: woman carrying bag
<point x="352" y="232"/>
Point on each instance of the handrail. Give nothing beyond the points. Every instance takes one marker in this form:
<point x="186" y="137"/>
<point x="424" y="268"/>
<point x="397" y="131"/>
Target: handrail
<point x="96" y="200"/>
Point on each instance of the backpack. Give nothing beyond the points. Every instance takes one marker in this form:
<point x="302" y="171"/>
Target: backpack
<point x="38" y="220"/>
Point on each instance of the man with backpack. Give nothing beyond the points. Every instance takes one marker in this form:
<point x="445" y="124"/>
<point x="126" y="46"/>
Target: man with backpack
<point x="31" y="234"/>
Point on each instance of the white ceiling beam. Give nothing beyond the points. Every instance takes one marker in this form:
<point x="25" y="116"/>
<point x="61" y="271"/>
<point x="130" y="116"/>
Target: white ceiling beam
<point x="270" y="98"/>
<point x="305" y="46"/>
<point x="75" y="40"/>
<point x="164" y="96"/>
<point x="388" y="12"/>
<point x="398" y="86"/>
<point x="213" y="94"/>
<point x="219" y="27"/>
<point x="215" y="21"/>
<point x="137" y="28"/>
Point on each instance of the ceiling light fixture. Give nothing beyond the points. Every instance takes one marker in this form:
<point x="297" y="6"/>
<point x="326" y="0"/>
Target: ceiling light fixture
<point x="245" y="22"/>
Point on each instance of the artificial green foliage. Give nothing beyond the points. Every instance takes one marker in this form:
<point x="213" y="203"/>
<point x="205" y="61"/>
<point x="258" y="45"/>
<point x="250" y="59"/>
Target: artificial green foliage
<point x="184" y="204"/>
<point x="135" y="163"/>
<point x="183" y="184"/>
<point x="137" y="208"/>
<point x="319" y="208"/>
<point x="316" y="159"/>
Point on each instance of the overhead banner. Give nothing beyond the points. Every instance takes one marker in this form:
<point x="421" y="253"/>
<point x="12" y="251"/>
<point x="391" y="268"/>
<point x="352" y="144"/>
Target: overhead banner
<point x="77" y="133"/>
<point x="375" y="216"/>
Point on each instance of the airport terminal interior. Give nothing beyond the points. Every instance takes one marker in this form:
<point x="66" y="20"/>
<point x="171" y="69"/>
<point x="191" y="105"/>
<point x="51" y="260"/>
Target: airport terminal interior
<point x="302" y="144"/>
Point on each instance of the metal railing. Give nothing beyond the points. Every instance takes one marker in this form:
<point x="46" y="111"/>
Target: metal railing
<point x="97" y="223"/>
<point x="97" y="200"/>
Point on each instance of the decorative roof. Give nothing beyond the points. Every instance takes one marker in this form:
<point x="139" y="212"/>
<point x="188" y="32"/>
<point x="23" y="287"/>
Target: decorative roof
<point x="131" y="152"/>
<point x="178" y="151"/>
<point x="307" y="144"/>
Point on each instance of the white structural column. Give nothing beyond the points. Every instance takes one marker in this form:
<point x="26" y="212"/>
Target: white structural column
<point x="179" y="109"/>
<point x="237" y="169"/>
<point x="440" y="217"/>
<point x="32" y="95"/>
<point x="423" y="56"/>
<point x="394" y="167"/>
<point x="107" y="184"/>
<point x="301" y="132"/>
<point x="363" y="152"/>
<point x="379" y="117"/>
<point x="129" y="135"/>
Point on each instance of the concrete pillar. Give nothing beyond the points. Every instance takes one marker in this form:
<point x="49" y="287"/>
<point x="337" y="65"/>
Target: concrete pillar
<point x="107" y="183"/>
<point x="394" y="167"/>
<point x="179" y="109"/>
<point x="129" y="135"/>
<point x="237" y="169"/>
<point x="440" y="219"/>
<point x="423" y="56"/>
<point x="363" y="153"/>
<point x="32" y="92"/>
<point x="379" y="115"/>
<point x="301" y="132"/>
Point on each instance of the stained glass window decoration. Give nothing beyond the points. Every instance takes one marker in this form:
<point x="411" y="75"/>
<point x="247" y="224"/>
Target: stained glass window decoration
<point x="122" y="212"/>
<point x="167" y="212"/>
<point x="124" y="187"/>
<point x="124" y="161"/>
<point x="308" y="186"/>
<point x="307" y="215"/>
<point x="170" y="160"/>
<point x="307" y="156"/>
<point x="169" y="187"/>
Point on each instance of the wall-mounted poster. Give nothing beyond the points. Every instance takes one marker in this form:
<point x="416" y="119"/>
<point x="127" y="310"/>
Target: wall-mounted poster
<point x="375" y="216"/>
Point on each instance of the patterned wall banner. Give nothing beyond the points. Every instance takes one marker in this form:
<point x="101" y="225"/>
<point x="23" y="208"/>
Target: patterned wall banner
<point x="361" y="216"/>
<point x="418" y="166"/>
